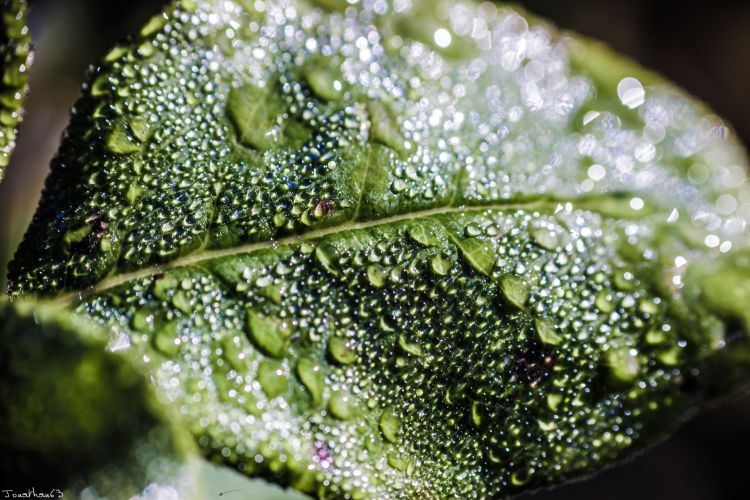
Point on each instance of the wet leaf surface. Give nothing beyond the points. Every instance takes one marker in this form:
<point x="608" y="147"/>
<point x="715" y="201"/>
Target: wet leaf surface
<point x="369" y="253"/>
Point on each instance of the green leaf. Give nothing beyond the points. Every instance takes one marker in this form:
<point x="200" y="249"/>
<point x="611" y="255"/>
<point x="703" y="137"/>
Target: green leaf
<point x="515" y="289"/>
<point x="15" y="59"/>
<point x="77" y="415"/>
<point x="463" y="271"/>
<point x="254" y="113"/>
<point x="546" y="332"/>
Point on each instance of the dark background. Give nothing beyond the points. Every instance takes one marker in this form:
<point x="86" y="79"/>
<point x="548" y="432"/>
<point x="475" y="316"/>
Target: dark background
<point x="702" y="46"/>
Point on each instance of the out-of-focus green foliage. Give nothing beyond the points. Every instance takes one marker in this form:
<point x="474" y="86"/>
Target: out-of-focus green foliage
<point x="15" y="58"/>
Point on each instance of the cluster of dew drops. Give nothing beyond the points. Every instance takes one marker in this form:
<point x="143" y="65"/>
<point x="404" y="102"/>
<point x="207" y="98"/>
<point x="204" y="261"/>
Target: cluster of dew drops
<point x="365" y="364"/>
<point x="510" y="117"/>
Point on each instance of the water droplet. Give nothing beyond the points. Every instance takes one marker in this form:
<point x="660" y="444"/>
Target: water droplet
<point x="140" y="128"/>
<point x="398" y="186"/>
<point x="279" y="219"/>
<point x="390" y="425"/>
<point x="408" y="347"/>
<point x="553" y="401"/>
<point x="624" y="281"/>
<point x="424" y="234"/>
<point x="596" y="172"/>
<point x="546" y="332"/>
<point x="636" y="203"/>
<point x="231" y="348"/>
<point x="267" y="333"/>
<point x="375" y="276"/>
<point x="442" y="37"/>
<point x="590" y="116"/>
<point x="165" y="340"/>
<point x="271" y="378"/>
<point x="479" y="254"/>
<point x="604" y="302"/>
<point x="439" y="265"/>
<point x="327" y="258"/>
<point x="545" y="237"/>
<point x="325" y="79"/>
<point x="712" y="241"/>
<point x="546" y="426"/>
<point x="515" y="289"/>
<point x="472" y="230"/>
<point x="133" y="193"/>
<point x="342" y="350"/>
<point x="648" y="306"/>
<point x="115" y="54"/>
<point x="655" y="336"/>
<point x="309" y="374"/>
<point x="154" y="24"/>
<point x="397" y="461"/>
<point x="631" y="92"/>
<point x="253" y="112"/>
<point x="75" y="236"/>
<point x="181" y="302"/>
<point x="119" y="142"/>
<point x="272" y="292"/>
<point x="669" y="357"/>
<point x="623" y="364"/>
<point x="476" y="414"/>
<point x="142" y="321"/>
<point x="340" y="406"/>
